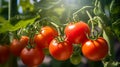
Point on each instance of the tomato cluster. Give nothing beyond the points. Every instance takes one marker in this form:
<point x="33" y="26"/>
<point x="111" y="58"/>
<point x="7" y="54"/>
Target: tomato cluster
<point x="31" y="50"/>
<point x="79" y="32"/>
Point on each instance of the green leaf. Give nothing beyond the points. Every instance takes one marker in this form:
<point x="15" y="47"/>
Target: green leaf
<point x="20" y="24"/>
<point x="2" y="20"/>
<point x="111" y="64"/>
<point x="108" y="35"/>
<point x="5" y="27"/>
<point x="26" y="5"/>
<point x="98" y="9"/>
<point x="114" y="7"/>
<point x="116" y="28"/>
<point x="59" y="10"/>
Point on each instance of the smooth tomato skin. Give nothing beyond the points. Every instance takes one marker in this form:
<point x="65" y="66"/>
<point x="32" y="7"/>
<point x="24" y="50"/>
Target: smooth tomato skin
<point x="32" y="57"/>
<point x="24" y="40"/>
<point x="60" y="50"/>
<point x="45" y="36"/>
<point x="76" y="32"/>
<point x="16" y="47"/>
<point x="95" y="50"/>
<point x="4" y="53"/>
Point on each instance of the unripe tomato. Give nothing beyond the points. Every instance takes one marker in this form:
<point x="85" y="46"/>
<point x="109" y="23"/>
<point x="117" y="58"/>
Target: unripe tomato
<point x="95" y="50"/>
<point x="60" y="50"/>
<point x="32" y="57"/>
<point x="76" y="32"/>
<point x="45" y="36"/>
<point x="4" y="53"/>
<point x="75" y="59"/>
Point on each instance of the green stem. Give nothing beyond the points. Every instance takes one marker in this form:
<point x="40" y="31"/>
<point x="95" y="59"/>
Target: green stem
<point x="75" y="13"/>
<point x="9" y="10"/>
<point x="60" y="38"/>
<point x="91" y="23"/>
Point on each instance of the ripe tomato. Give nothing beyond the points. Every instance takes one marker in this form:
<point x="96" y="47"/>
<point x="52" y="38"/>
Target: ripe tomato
<point x="4" y="53"/>
<point x="76" y="32"/>
<point x="32" y="56"/>
<point x="45" y="36"/>
<point x="60" y="50"/>
<point x="24" y="40"/>
<point x="17" y="45"/>
<point x="95" y="50"/>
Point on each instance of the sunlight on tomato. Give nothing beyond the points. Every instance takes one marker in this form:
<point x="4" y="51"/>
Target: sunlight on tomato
<point x="60" y="50"/>
<point x="32" y="56"/>
<point x="76" y="32"/>
<point x="45" y="36"/>
<point x="95" y="50"/>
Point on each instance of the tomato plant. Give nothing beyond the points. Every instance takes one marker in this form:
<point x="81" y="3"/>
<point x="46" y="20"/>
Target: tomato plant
<point x="60" y="50"/>
<point x="25" y="17"/>
<point x="45" y="36"/>
<point x="95" y="50"/>
<point x="4" y="53"/>
<point x="76" y="32"/>
<point x="32" y="56"/>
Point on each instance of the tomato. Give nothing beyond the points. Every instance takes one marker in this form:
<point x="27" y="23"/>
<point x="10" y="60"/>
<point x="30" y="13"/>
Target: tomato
<point x="4" y="53"/>
<point x="45" y="36"/>
<point x="32" y="56"/>
<point x="75" y="59"/>
<point x="76" y="32"/>
<point x="17" y="45"/>
<point x="60" y="50"/>
<point x="24" y="40"/>
<point x="95" y="50"/>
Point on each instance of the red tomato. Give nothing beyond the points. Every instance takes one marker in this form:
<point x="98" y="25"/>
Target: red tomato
<point x="95" y="50"/>
<point x="32" y="56"/>
<point x="4" y="53"/>
<point x="45" y="36"/>
<point x="76" y="32"/>
<point x="16" y="47"/>
<point x="24" y="40"/>
<point x="60" y="50"/>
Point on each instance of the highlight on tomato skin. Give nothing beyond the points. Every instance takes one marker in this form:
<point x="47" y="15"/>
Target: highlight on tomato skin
<point x="76" y="32"/>
<point x="24" y="40"/>
<point x="60" y="50"/>
<point x="44" y="37"/>
<point x="95" y="50"/>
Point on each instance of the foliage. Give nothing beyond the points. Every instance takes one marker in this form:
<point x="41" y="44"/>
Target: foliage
<point x="44" y="12"/>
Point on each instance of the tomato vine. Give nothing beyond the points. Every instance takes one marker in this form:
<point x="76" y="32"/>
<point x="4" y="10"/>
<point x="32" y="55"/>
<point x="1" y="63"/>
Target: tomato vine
<point x="66" y="29"/>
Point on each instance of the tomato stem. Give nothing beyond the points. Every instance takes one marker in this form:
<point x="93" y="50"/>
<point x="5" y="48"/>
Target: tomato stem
<point x="92" y="30"/>
<point x="75" y="13"/>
